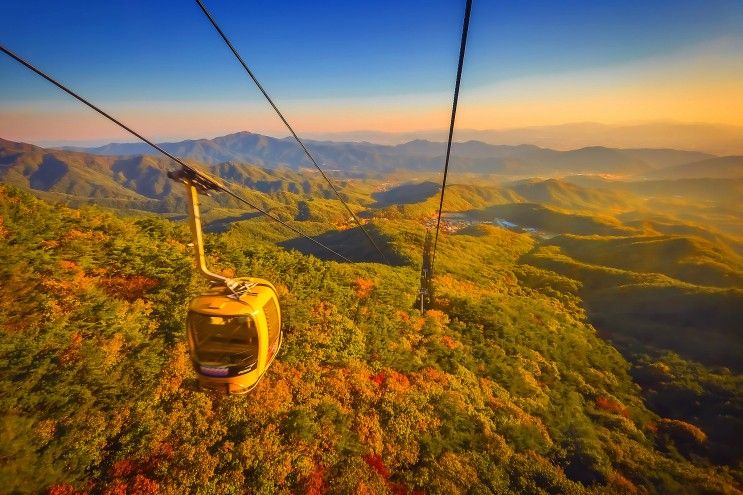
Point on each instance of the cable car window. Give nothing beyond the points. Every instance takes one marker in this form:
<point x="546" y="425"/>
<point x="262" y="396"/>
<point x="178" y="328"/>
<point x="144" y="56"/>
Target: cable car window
<point x="223" y="340"/>
<point x="272" y="320"/>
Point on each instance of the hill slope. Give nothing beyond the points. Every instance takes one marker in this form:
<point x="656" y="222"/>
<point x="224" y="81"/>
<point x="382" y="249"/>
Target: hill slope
<point x="140" y="182"/>
<point x="725" y="167"/>
<point x="504" y="388"/>
<point x="686" y="258"/>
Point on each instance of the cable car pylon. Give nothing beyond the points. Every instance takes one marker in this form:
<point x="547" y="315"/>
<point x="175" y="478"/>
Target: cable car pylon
<point x="425" y="294"/>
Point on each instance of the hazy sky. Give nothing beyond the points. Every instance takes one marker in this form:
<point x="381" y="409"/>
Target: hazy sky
<point x="387" y="65"/>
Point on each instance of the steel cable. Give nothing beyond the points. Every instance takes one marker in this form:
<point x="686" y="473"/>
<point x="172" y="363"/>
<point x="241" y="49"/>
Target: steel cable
<point x="462" y="47"/>
<point x="161" y="150"/>
<point x="288" y="126"/>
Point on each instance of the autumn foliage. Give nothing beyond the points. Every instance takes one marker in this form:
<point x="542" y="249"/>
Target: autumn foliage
<point x="509" y="390"/>
<point x="363" y="287"/>
<point x="130" y="288"/>
<point x="610" y="405"/>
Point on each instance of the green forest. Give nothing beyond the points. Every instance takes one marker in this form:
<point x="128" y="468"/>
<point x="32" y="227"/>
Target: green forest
<point x="525" y="376"/>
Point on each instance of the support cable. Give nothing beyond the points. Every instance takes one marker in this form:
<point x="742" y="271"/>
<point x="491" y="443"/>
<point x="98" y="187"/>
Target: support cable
<point x="462" y="47"/>
<point x="288" y="126"/>
<point x="161" y="150"/>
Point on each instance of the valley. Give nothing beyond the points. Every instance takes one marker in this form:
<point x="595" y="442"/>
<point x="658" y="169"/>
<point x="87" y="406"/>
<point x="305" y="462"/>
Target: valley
<point x="585" y="336"/>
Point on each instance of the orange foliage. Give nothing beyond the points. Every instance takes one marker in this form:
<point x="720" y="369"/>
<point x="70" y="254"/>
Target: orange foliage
<point x="432" y="375"/>
<point x="437" y="316"/>
<point x="450" y="342"/>
<point x="621" y="485"/>
<point x="417" y="323"/>
<point x="397" y="381"/>
<point x="370" y="431"/>
<point x="681" y="431"/>
<point x="174" y="372"/>
<point x="363" y="286"/>
<point x="316" y="482"/>
<point x="144" y="486"/>
<point x="392" y="380"/>
<point x="271" y="396"/>
<point x="610" y="405"/>
<point x="3" y="230"/>
<point x="118" y="488"/>
<point x="68" y="265"/>
<point x="128" y="288"/>
<point x="378" y="378"/>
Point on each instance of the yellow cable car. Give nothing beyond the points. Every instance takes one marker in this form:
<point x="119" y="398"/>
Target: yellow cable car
<point x="234" y="329"/>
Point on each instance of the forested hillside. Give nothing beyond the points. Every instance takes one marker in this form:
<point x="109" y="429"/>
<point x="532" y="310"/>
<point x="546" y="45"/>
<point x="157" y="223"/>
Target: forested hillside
<point x="504" y="387"/>
<point x="140" y="183"/>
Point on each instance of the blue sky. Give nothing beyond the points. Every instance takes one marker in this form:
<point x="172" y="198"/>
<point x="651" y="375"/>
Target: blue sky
<point x="135" y="55"/>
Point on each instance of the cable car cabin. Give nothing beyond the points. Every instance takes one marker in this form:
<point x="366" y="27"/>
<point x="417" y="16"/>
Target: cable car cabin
<point x="234" y="339"/>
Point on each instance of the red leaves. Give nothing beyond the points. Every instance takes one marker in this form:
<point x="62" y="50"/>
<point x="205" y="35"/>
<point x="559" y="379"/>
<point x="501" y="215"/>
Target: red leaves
<point x="610" y="405"/>
<point x="130" y="476"/>
<point x="141" y="485"/>
<point x="375" y="462"/>
<point x="393" y="380"/>
<point x="450" y="342"/>
<point x="316" y="482"/>
<point x="125" y="468"/>
<point x="144" y="486"/>
<point x="378" y="378"/>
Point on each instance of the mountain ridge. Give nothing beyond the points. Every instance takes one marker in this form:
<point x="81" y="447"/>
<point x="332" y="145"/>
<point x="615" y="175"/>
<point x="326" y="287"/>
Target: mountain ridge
<point x="422" y="155"/>
<point x="704" y="137"/>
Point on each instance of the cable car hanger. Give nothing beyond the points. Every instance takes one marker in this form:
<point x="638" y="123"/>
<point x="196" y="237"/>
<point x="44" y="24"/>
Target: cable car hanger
<point x="234" y="329"/>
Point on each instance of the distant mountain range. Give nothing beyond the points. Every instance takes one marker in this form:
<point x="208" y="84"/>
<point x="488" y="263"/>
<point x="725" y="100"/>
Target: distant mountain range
<point x="713" y="168"/>
<point x="139" y="182"/>
<point x="710" y="138"/>
<point x="422" y="155"/>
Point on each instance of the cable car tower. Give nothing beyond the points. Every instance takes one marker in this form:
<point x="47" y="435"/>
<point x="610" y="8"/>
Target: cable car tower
<point x="425" y="295"/>
<point x="234" y="328"/>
